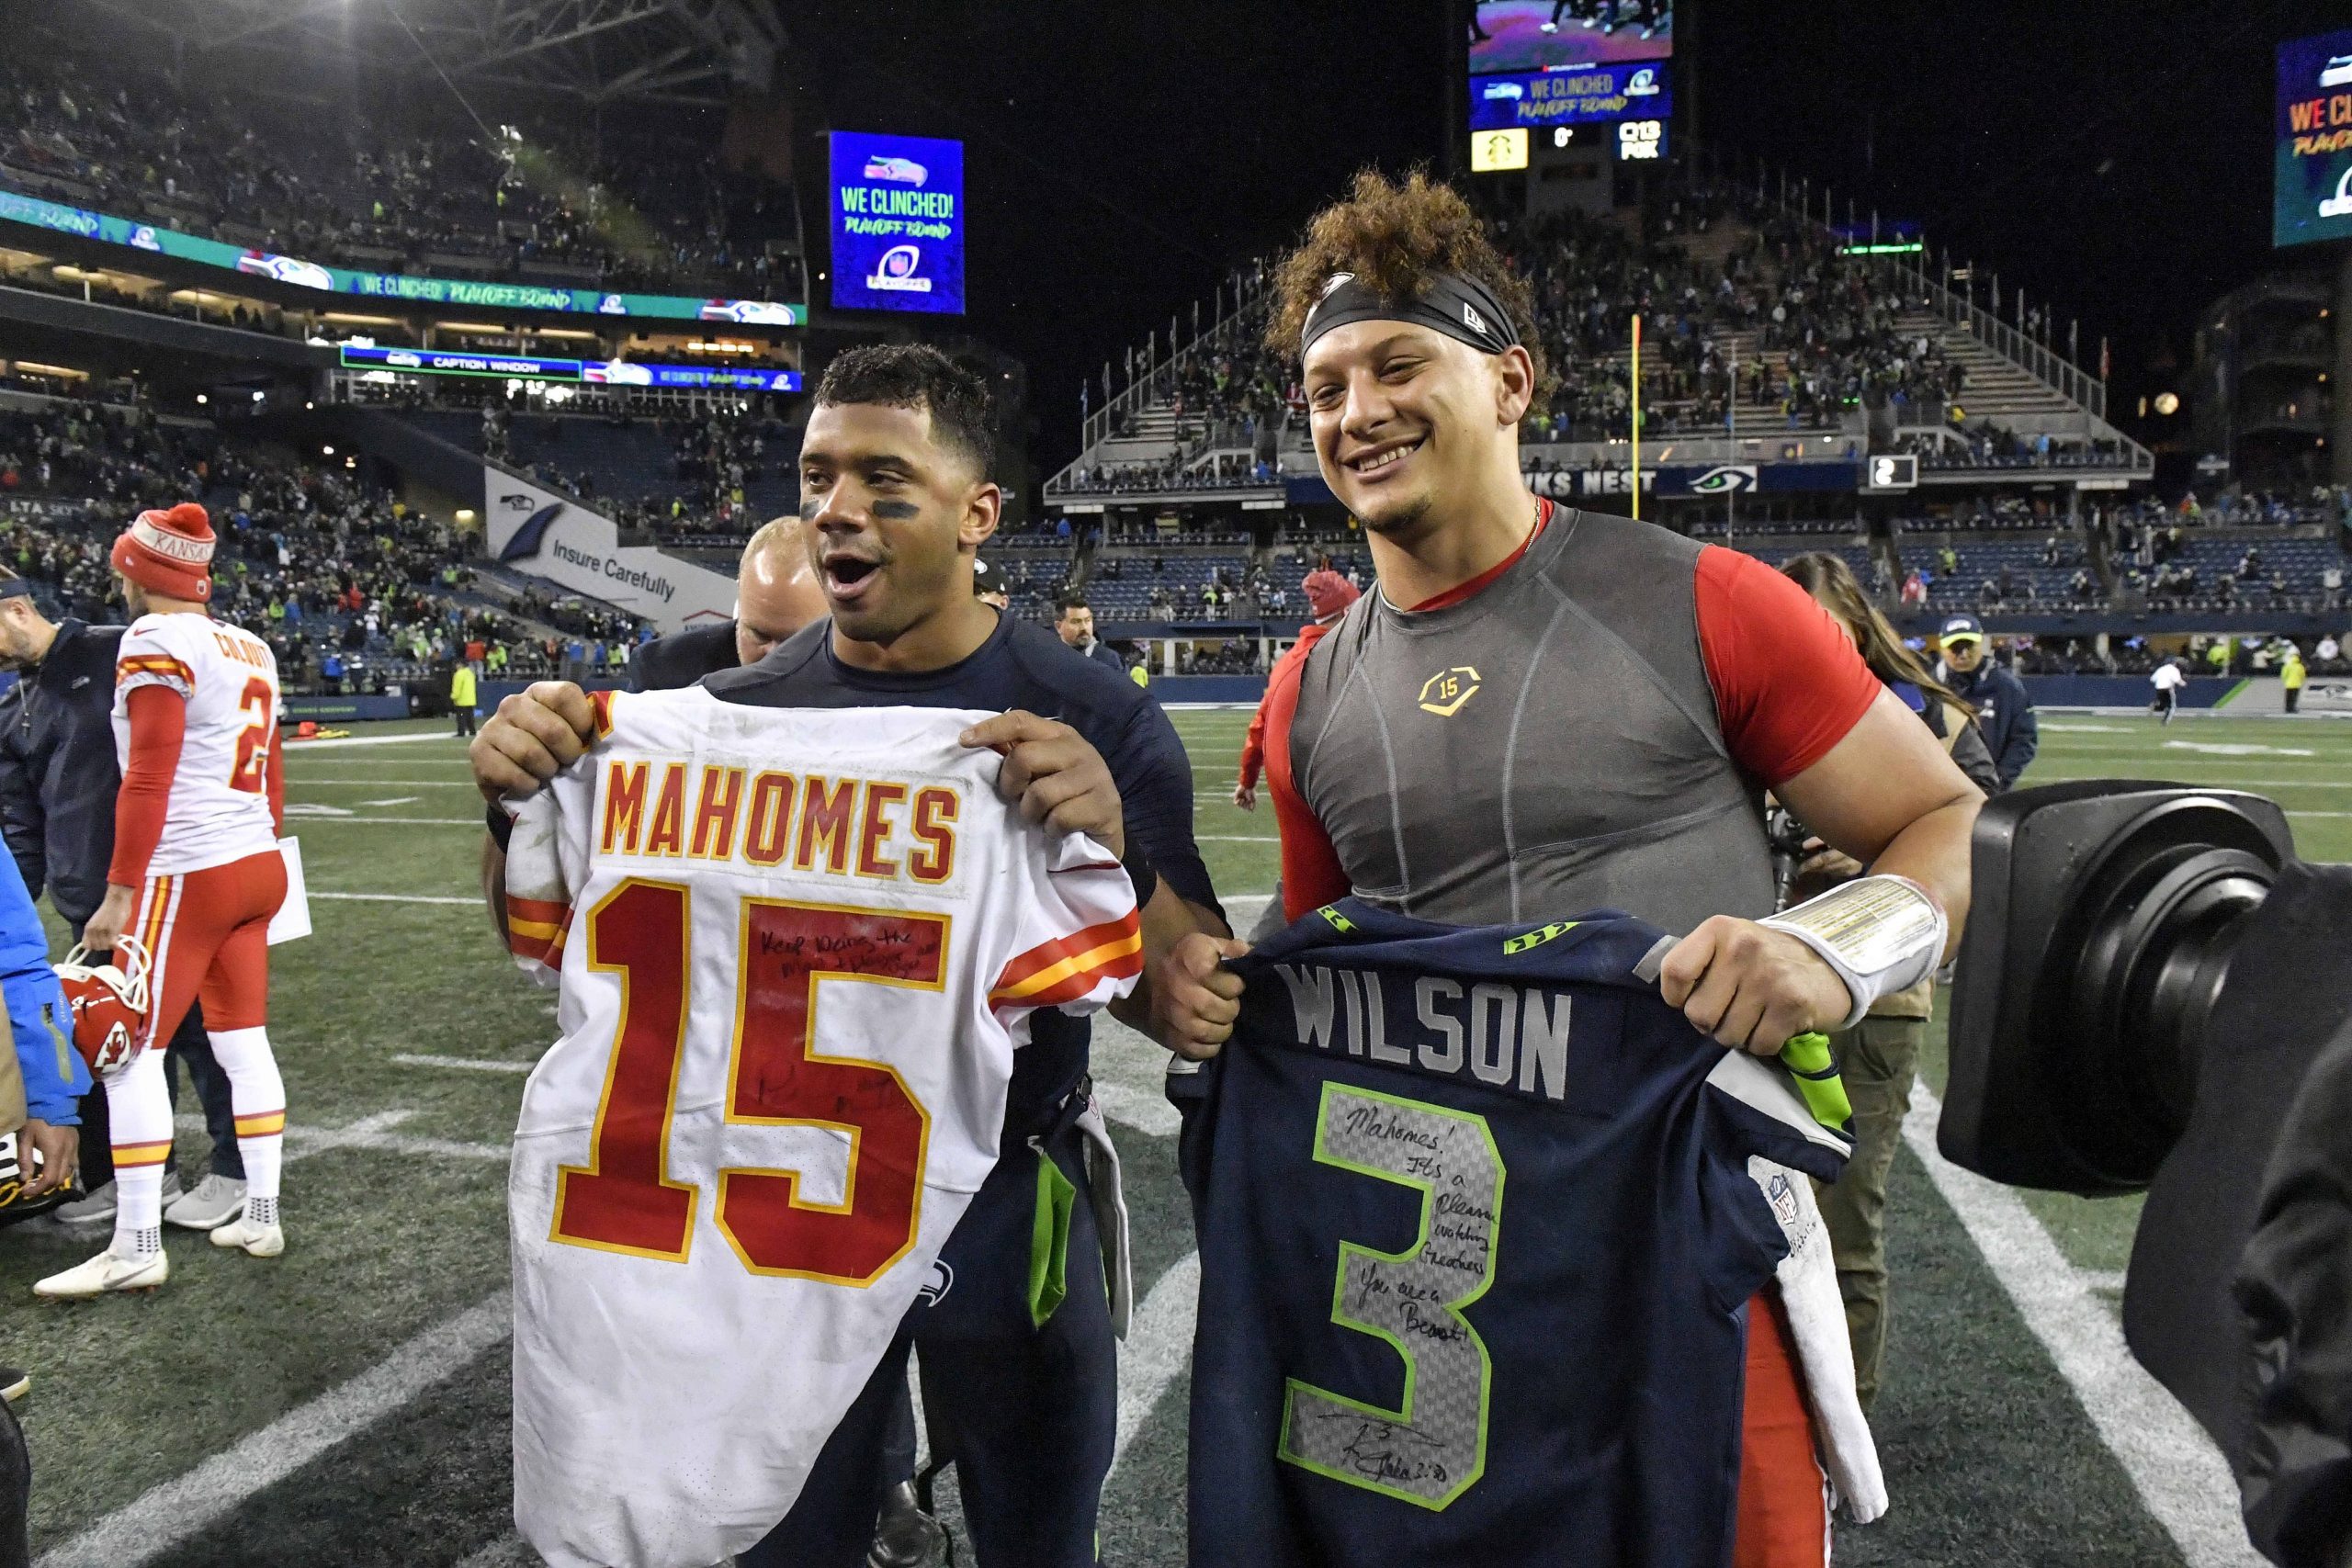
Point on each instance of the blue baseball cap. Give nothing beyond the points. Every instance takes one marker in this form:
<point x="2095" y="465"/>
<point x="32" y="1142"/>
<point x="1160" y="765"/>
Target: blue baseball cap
<point x="1962" y="629"/>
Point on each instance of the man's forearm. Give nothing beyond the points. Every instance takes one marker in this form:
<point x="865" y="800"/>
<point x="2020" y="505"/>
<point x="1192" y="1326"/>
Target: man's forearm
<point x="1933" y="851"/>
<point x="493" y="884"/>
<point x="1167" y="919"/>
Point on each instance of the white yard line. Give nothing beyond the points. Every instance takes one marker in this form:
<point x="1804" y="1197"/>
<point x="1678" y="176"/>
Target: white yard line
<point x="295" y="748"/>
<point x="308" y="821"/>
<point x="427" y="784"/>
<point x="465" y="1064"/>
<point x="2182" y="1478"/>
<point x="1159" y="1346"/>
<point x="373" y="1133"/>
<point x="395" y="898"/>
<point x="177" y="1510"/>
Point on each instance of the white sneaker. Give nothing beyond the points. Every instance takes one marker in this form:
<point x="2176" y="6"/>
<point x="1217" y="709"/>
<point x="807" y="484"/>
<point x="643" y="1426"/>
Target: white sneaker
<point x="110" y="1270"/>
<point x="100" y="1204"/>
<point x="259" y="1241"/>
<point x="216" y="1200"/>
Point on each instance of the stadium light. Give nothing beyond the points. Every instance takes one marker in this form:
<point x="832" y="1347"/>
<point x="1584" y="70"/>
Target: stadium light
<point x="200" y="398"/>
<point x="326" y="451"/>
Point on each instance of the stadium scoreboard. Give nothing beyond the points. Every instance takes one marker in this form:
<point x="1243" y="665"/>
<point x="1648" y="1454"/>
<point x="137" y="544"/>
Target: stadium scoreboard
<point x="897" y="223"/>
<point x="2311" y="160"/>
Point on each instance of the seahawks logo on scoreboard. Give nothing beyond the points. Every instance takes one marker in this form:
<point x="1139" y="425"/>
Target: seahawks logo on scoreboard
<point x="1444" y="693"/>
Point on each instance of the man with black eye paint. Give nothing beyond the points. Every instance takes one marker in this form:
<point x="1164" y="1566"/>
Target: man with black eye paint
<point x="1019" y="1366"/>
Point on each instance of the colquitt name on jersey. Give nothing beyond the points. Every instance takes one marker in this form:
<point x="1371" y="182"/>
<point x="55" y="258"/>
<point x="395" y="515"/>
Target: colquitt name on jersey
<point x="1507" y="1036"/>
<point x="772" y="819"/>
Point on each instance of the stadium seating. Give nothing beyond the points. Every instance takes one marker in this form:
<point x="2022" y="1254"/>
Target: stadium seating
<point x="350" y="589"/>
<point x="387" y="186"/>
<point x="1756" y="327"/>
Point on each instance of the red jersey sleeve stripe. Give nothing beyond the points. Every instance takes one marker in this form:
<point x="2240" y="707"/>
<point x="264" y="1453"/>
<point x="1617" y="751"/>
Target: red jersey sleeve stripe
<point x="544" y="912"/>
<point x="1049" y="962"/>
<point x="1788" y="683"/>
<point x="153" y="664"/>
<point x="600" y="703"/>
<point x="1118" y="961"/>
<point x="1045" y="954"/>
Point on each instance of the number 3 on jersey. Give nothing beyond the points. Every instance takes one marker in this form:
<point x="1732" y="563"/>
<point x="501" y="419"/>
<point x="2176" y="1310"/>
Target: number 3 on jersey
<point x="624" y="1201"/>
<point x="1432" y="1447"/>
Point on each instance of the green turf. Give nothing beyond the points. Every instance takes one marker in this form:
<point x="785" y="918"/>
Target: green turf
<point x="1990" y="1457"/>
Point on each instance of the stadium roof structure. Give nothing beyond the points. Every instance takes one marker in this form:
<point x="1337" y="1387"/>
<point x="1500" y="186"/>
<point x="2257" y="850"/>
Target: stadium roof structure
<point x="691" y="52"/>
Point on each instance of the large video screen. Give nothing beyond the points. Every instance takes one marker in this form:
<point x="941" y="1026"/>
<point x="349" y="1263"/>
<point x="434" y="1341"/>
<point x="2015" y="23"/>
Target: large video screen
<point x="2311" y="166"/>
<point x="1550" y="35"/>
<point x="1540" y="99"/>
<point x="897" y="218"/>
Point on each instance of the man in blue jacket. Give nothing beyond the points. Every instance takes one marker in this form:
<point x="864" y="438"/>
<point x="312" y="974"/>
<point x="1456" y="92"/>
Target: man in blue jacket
<point x="41" y="1030"/>
<point x="2003" y="710"/>
<point x="57" y="781"/>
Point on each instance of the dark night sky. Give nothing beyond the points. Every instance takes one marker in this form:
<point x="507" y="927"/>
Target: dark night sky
<point x="2113" y="158"/>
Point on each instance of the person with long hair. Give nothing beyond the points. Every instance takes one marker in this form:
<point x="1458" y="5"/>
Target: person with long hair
<point x="1878" y="1056"/>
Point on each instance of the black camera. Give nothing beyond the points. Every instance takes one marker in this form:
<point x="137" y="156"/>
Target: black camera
<point x="2156" y="996"/>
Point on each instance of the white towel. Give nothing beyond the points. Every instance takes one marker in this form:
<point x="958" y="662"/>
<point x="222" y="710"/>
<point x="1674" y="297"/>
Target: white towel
<point x="1808" y="1282"/>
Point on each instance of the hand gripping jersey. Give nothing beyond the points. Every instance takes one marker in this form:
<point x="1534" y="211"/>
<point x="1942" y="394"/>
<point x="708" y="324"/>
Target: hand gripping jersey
<point x="1479" y="1222"/>
<point x="219" y="811"/>
<point x="797" y="948"/>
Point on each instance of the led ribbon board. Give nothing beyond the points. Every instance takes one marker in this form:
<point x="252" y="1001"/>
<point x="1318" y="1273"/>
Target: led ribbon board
<point x="406" y="287"/>
<point x="594" y="373"/>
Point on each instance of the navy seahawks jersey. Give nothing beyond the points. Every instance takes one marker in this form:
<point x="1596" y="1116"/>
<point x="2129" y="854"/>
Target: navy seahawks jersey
<point x="1477" y="1231"/>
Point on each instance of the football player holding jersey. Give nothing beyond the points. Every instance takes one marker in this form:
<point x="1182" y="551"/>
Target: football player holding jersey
<point x="194" y="879"/>
<point x="1542" y="712"/>
<point x="1018" y="1355"/>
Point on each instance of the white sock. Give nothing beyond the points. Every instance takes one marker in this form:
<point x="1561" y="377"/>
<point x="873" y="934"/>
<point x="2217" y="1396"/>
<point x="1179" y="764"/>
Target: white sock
<point x="258" y="1096"/>
<point x="139" y="1114"/>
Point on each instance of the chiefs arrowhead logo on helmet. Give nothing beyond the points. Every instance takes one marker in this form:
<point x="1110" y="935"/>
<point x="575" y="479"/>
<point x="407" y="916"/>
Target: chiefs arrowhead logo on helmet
<point x="109" y="1005"/>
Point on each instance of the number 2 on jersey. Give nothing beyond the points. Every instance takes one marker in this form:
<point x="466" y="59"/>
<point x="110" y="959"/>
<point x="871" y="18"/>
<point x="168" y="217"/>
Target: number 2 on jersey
<point x="624" y="1201"/>
<point x="250" y="772"/>
<point x="1432" y="1447"/>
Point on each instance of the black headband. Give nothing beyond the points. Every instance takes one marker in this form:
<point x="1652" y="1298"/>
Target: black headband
<point x="15" y="587"/>
<point x="1449" y="303"/>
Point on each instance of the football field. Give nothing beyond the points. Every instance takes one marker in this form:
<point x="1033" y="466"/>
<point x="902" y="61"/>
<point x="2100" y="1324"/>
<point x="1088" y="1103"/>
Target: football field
<point x="346" y="1403"/>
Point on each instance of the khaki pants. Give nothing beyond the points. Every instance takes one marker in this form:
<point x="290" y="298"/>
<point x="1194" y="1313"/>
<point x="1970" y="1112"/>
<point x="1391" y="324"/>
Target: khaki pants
<point x="1876" y="1058"/>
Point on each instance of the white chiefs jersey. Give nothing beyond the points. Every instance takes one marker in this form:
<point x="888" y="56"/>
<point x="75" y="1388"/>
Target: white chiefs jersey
<point x="796" y="950"/>
<point x="219" y="805"/>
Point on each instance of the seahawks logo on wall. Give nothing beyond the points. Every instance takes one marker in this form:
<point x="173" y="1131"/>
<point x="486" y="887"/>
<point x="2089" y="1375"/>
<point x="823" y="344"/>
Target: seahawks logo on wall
<point x="1725" y="479"/>
<point x="524" y="541"/>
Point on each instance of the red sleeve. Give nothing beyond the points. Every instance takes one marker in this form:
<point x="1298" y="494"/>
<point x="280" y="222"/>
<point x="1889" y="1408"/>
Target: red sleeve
<point x="1253" y="745"/>
<point x="1311" y="874"/>
<point x="277" y="781"/>
<point x="1789" y="684"/>
<point x="158" y="723"/>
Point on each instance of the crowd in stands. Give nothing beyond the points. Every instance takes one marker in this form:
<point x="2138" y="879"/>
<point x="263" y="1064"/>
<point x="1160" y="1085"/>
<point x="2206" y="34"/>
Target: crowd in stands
<point x="1228" y="471"/>
<point x="381" y="185"/>
<point x="1818" y="332"/>
<point x="351" y="589"/>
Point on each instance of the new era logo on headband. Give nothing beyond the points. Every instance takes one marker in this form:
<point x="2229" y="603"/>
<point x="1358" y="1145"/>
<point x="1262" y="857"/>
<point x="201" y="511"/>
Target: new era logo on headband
<point x="1475" y="322"/>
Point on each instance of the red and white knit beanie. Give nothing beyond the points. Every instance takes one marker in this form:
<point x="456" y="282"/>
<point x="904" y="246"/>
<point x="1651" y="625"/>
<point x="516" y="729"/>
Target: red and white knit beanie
<point x="168" y="552"/>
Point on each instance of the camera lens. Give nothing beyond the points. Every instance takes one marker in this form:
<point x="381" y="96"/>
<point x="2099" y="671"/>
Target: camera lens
<point x="2126" y="999"/>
